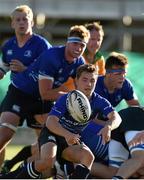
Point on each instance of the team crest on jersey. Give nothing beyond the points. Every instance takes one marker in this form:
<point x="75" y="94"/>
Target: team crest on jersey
<point x="28" y="53"/>
<point x="72" y="71"/>
<point x="16" y="108"/>
<point x="9" y="52"/>
<point x="60" y="70"/>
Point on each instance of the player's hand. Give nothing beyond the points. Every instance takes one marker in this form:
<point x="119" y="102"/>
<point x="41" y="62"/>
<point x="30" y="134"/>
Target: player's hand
<point x="105" y="132"/>
<point x="16" y="65"/>
<point x="72" y="138"/>
<point x="138" y="139"/>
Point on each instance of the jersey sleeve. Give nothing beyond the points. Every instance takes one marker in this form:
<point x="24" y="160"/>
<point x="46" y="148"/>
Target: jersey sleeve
<point x="60" y="107"/>
<point x="104" y="105"/>
<point x="47" y="67"/>
<point x="43" y="45"/>
<point x="128" y="91"/>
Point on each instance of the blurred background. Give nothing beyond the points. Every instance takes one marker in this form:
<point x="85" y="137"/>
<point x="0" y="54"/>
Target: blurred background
<point x="122" y="21"/>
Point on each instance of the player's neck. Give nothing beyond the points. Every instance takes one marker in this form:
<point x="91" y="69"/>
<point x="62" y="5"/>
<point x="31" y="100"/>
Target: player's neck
<point x="109" y="85"/>
<point x="22" y="39"/>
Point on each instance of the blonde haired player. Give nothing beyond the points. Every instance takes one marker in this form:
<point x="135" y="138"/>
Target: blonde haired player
<point x="21" y="50"/>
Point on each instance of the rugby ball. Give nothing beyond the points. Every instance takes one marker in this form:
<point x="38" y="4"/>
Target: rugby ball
<point x="78" y="106"/>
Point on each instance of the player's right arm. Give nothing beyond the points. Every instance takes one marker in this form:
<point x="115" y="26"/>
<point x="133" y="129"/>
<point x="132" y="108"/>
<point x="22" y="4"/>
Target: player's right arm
<point x="54" y="126"/>
<point x="46" y="89"/>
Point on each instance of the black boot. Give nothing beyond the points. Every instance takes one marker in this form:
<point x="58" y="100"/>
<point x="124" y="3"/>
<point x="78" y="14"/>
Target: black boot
<point x="12" y="174"/>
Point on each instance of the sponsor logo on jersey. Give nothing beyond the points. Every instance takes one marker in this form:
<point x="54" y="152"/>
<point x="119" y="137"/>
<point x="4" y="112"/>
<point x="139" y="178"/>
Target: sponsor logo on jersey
<point x="9" y="52"/>
<point x="28" y="53"/>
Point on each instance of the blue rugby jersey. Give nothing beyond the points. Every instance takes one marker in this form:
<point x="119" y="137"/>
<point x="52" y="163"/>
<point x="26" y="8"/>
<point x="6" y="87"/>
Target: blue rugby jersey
<point x="26" y="54"/>
<point x="51" y="63"/>
<point x="98" y="104"/>
<point x="126" y="92"/>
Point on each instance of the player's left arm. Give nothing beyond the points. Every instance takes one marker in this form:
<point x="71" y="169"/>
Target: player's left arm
<point x="113" y="122"/>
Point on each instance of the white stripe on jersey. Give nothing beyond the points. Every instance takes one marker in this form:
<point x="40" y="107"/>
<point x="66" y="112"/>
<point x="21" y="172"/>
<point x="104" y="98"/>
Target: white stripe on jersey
<point x="46" y="77"/>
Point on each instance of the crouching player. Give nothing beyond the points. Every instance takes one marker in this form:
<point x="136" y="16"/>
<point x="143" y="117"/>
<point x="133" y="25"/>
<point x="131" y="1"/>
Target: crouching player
<point x="60" y="137"/>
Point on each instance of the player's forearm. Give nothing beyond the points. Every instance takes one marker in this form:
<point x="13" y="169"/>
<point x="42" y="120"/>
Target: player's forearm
<point x="54" y="126"/>
<point x="52" y="95"/>
<point x="114" y="120"/>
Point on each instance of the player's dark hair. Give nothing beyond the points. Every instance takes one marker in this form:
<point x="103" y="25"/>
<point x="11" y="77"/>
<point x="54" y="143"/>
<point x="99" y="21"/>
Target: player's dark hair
<point x="116" y="59"/>
<point x="90" y="68"/>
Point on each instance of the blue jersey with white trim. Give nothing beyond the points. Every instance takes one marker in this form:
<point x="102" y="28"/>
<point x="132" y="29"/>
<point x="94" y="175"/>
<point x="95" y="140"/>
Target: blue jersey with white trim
<point x="126" y="92"/>
<point x="26" y="54"/>
<point x="98" y="104"/>
<point x="51" y="64"/>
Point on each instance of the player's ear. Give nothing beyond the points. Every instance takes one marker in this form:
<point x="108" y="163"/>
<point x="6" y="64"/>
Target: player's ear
<point x="12" y="25"/>
<point x="32" y="23"/>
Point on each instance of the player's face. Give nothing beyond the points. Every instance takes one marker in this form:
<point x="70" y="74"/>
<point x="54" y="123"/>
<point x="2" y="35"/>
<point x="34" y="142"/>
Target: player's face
<point x="22" y="23"/>
<point x="74" y="50"/>
<point x="95" y="41"/>
<point x="117" y="78"/>
<point x="86" y="83"/>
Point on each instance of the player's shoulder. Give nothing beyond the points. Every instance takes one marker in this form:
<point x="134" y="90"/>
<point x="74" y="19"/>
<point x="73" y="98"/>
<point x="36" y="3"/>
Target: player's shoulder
<point x="38" y="36"/>
<point x="96" y="96"/>
<point x="56" y="53"/>
<point x="40" y="39"/>
<point x="127" y="83"/>
<point x="98" y="99"/>
<point x="9" y="42"/>
<point x="62" y="100"/>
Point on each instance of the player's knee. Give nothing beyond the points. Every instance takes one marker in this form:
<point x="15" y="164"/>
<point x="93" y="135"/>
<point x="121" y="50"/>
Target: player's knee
<point x="87" y="157"/>
<point x="9" y="126"/>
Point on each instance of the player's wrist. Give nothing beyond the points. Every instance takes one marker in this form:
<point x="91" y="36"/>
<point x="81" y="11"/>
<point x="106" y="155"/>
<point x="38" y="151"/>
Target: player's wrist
<point x="108" y="126"/>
